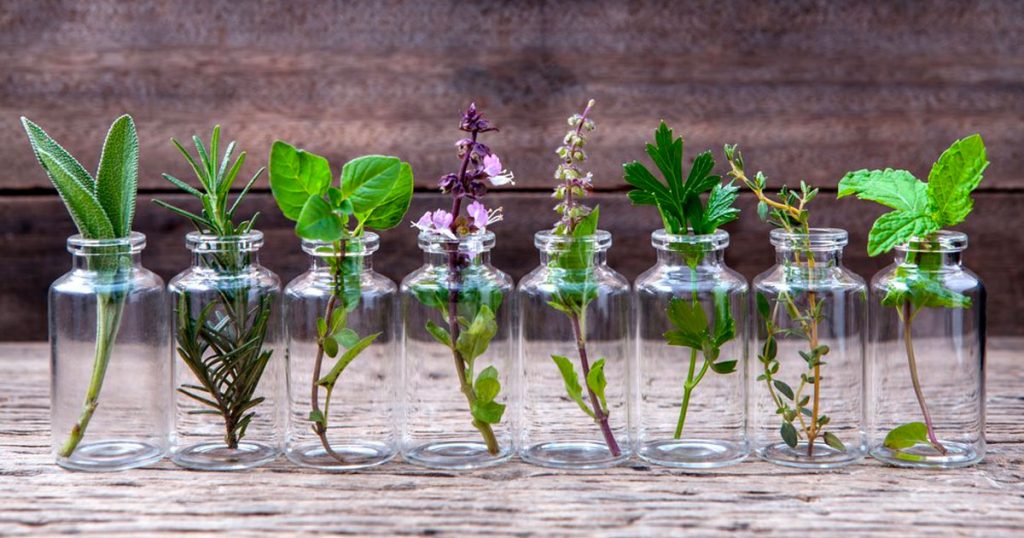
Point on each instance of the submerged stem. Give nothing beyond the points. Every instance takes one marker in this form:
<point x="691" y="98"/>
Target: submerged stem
<point x="599" y="414"/>
<point x="907" y="318"/>
<point x="109" y="308"/>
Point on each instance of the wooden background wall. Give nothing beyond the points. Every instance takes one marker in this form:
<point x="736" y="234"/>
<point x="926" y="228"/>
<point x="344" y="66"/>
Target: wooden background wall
<point x="810" y="89"/>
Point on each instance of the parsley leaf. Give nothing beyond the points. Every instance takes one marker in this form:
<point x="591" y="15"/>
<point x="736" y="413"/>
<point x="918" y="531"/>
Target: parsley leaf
<point x="679" y="201"/>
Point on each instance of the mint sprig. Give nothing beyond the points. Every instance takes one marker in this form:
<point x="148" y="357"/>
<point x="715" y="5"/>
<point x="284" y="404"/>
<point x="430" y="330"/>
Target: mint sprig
<point x="920" y="208"/>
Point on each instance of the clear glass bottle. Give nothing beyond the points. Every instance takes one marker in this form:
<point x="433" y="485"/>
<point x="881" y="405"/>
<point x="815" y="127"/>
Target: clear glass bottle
<point x="228" y="360"/>
<point x="108" y="365"/>
<point x="807" y="392"/>
<point x="927" y="375"/>
<point x="574" y="333"/>
<point x="690" y="397"/>
<point x="452" y="416"/>
<point x="354" y="389"/>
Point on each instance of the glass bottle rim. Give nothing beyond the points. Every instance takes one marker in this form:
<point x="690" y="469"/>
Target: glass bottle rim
<point x="204" y="243"/>
<point x="661" y="239"/>
<point x="549" y="241"/>
<point x="363" y="245"/>
<point x="942" y="241"/>
<point x="473" y="243"/>
<point x="817" y="239"/>
<point x="80" y="245"/>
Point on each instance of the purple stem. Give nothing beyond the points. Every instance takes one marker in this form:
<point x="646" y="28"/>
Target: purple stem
<point x="602" y="418"/>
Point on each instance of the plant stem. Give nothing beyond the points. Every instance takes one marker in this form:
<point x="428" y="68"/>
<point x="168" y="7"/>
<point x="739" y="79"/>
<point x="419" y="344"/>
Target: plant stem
<point x="687" y="388"/>
<point x="812" y="432"/>
<point x="907" y="319"/>
<point x="109" y="308"/>
<point x="599" y="414"/>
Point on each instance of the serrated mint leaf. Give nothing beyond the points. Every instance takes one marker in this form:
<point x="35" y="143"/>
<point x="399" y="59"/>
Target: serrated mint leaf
<point x="897" y="189"/>
<point x="953" y="177"/>
<point x="898" y="227"/>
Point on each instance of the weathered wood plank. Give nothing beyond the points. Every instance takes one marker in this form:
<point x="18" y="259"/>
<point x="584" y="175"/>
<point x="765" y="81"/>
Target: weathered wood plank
<point x="512" y="500"/>
<point x="808" y="88"/>
<point x="34" y="253"/>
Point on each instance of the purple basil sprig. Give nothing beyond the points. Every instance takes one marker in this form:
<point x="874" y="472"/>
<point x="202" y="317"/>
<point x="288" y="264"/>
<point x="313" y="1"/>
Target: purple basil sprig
<point x="480" y="166"/>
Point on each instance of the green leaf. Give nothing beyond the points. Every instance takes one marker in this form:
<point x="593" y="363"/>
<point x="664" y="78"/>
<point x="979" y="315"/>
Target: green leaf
<point x="346" y="358"/>
<point x="317" y="417"/>
<point x="719" y="210"/>
<point x="782" y="387"/>
<point x="473" y="341"/>
<point x="923" y="289"/>
<point x="834" y="442"/>
<point x="906" y="436"/>
<point x="898" y="227"/>
<point x="84" y="207"/>
<point x="346" y="337"/>
<point x="487" y="412"/>
<point x="117" y="179"/>
<point x="725" y="326"/>
<point x="295" y="176"/>
<point x="763" y="308"/>
<point x="952" y="179"/>
<point x="368" y="181"/>
<point x="789" y="434"/>
<point x="572" y="382"/>
<point x="439" y="333"/>
<point x="487" y="386"/>
<point x="690" y="321"/>
<point x="897" y="189"/>
<point x="41" y="141"/>
<point x="391" y="210"/>
<point x="724" y="367"/>
<point x="318" y="221"/>
<point x="597" y="382"/>
<point x="331" y="347"/>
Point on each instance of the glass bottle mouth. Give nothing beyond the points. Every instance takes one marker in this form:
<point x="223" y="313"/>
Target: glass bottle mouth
<point x="201" y="243"/>
<point x="942" y="241"/>
<point x="364" y="245"/>
<point x="717" y="240"/>
<point x="82" y="246"/>
<point x="817" y="239"/>
<point x="473" y="244"/>
<point x="550" y="242"/>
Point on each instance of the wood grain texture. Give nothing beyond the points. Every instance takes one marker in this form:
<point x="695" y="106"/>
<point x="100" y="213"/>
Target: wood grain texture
<point x="809" y="88"/>
<point x="752" y="498"/>
<point x="812" y="88"/>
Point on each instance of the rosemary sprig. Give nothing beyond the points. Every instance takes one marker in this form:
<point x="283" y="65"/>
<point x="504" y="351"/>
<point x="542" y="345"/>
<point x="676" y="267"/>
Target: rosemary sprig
<point x="223" y="343"/>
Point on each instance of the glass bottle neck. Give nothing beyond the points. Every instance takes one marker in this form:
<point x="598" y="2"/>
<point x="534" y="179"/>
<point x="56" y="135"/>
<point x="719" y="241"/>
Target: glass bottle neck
<point x="812" y="259"/>
<point x="930" y="261"/>
<point x="105" y="262"/>
<point x="443" y="259"/>
<point x="597" y="258"/>
<point x="708" y="260"/>
<point x="327" y="265"/>
<point x="225" y="262"/>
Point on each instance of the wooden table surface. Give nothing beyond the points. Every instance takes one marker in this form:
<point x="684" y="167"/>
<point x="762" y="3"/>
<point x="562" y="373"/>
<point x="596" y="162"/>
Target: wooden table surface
<point x="38" y="498"/>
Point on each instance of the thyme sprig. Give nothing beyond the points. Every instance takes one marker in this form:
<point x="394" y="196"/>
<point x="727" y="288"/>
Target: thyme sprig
<point x="789" y="211"/>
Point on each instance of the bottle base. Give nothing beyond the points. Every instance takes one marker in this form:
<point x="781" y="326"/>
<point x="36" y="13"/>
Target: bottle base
<point x="113" y="455"/>
<point x="459" y="455"/>
<point x="824" y="456"/>
<point x="693" y="453"/>
<point x="572" y="455"/>
<point x="926" y="457"/>
<point x="218" y="457"/>
<point x="357" y="455"/>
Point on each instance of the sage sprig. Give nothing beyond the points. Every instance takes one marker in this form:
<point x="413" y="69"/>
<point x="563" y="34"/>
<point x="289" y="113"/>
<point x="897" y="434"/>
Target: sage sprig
<point x="223" y="343"/>
<point x="101" y="208"/>
<point x="919" y="211"/>
<point x="789" y="211"/>
<point x="374" y="191"/>
<point x="684" y="213"/>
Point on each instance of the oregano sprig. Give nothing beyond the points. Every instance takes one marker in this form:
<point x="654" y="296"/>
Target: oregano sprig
<point x="101" y="208"/>
<point x="919" y="211"/>
<point x="684" y="213"/>
<point x="373" y="192"/>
